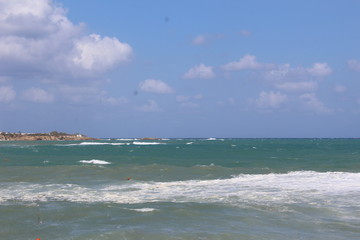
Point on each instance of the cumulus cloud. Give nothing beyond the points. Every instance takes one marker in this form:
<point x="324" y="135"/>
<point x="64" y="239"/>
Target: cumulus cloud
<point x="155" y="86"/>
<point x="246" y="62"/>
<point x="188" y="101"/>
<point x="38" y="95"/>
<point x="199" y="40"/>
<point x="52" y="44"/>
<point x="340" y="89"/>
<point x="205" y="38"/>
<point x="285" y="72"/>
<point x="297" y="86"/>
<point x="114" y="101"/>
<point x="245" y="33"/>
<point x="100" y="54"/>
<point x="320" y="70"/>
<point x="7" y="94"/>
<point x="200" y="71"/>
<point x="270" y="99"/>
<point x="150" y="106"/>
<point x="354" y="65"/>
<point x="79" y="93"/>
<point x="182" y="98"/>
<point x="45" y="18"/>
<point x="313" y="103"/>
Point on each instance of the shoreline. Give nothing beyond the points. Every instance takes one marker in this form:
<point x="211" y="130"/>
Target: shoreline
<point x="52" y="136"/>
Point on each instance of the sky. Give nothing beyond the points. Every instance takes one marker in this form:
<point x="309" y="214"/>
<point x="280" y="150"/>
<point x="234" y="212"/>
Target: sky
<point x="177" y="69"/>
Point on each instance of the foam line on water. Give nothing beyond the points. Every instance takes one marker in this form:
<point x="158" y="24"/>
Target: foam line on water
<point x="95" y="161"/>
<point x="339" y="188"/>
<point x="93" y="144"/>
<point x="147" y="143"/>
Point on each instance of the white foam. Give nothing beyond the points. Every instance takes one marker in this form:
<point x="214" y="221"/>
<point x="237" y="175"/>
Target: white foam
<point x="333" y="189"/>
<point x="143" y="209"/>
<point x="189" y="143"/>
<point x="147" y="143"/>
<point x="95" y="161"/>
<point x="93" y="144"/>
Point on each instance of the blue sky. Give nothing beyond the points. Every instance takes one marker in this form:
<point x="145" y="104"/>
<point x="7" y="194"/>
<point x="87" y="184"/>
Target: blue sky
<point x="181" y="68"/>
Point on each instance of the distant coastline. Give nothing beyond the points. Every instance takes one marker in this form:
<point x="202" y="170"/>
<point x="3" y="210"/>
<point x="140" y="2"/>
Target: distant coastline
<point x="52" y="136"/>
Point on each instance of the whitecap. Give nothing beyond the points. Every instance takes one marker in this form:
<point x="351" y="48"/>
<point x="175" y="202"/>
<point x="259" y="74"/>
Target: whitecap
<point x="147" y="143"/>
<point x="95" y="161"/>
<point x="142" y="209"/>
<point x="94" y="144"/>
<point x="338" y="190"/>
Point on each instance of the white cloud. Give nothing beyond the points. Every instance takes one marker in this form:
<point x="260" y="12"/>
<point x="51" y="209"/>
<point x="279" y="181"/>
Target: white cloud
<point x="38" y="95"/>
<point x="79" y="93"/>
<point x="247" y="62"/>
<point x="289" y="78"/>
<point x="285" y="72"/>
<point x="297" y="86"/>
<point x="354" y="65"/>
<point x="200" y="71"/>
<point x="205" y="38"/>
<point x="52" y="44"/>
<point x="16" y="15"/>
<point x="7" y="94"/>
<point x="155" y="86"/>
<point x="340" y="89"/>
<point x="150" y="106"/>
<point x="189" y="105"/>
<point x="199" y="40"/>
<point x="245" y="33"/>
<point x="198" y="96"/>
<point x="188" y="101"/>
<point x="270" y="99"/>
<point x="313" y="103"/>
<point x="3" y="79"/>
<point x="320" y="70"/>
<point x="100" y="54"/>
<point x="114" y="101"/>
<point x="182" y="98"/>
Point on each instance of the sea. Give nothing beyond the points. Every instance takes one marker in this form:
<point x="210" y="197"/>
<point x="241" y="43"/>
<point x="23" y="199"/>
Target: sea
<point x="180" y="189"/>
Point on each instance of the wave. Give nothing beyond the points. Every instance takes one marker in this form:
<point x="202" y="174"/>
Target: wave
<point x="211" y="139"/>
<point x="126" y="139"/>
<point x="112" y="144"/>
<point x="94" y="144"/>
<point x="95" y="161"/>
<point x="142" y="209"/>
<point x="338" y="189"/>
<point x="147" y="143"/>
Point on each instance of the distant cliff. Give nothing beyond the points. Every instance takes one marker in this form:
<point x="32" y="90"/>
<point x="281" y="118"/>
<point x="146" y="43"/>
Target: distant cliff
<point x="53" y="136"/>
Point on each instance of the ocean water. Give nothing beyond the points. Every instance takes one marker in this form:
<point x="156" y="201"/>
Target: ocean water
<point x="180" y="189"/>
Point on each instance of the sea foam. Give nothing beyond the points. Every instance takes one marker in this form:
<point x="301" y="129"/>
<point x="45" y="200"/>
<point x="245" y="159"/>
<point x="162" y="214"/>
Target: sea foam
<point x="93" y="144"/>
<point x="340" y="189"/>
<point x="95" y="161"/>
<point x="147" y="143"/>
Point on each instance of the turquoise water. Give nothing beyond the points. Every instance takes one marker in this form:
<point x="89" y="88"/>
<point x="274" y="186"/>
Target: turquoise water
<point x="181" y="189"/>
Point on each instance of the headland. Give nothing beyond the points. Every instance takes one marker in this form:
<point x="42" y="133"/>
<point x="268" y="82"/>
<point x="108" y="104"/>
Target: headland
<point x="52" y="136"/>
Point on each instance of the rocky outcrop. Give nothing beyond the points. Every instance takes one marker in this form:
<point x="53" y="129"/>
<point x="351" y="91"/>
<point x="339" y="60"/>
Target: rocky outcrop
<point x="43" y="137"/>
